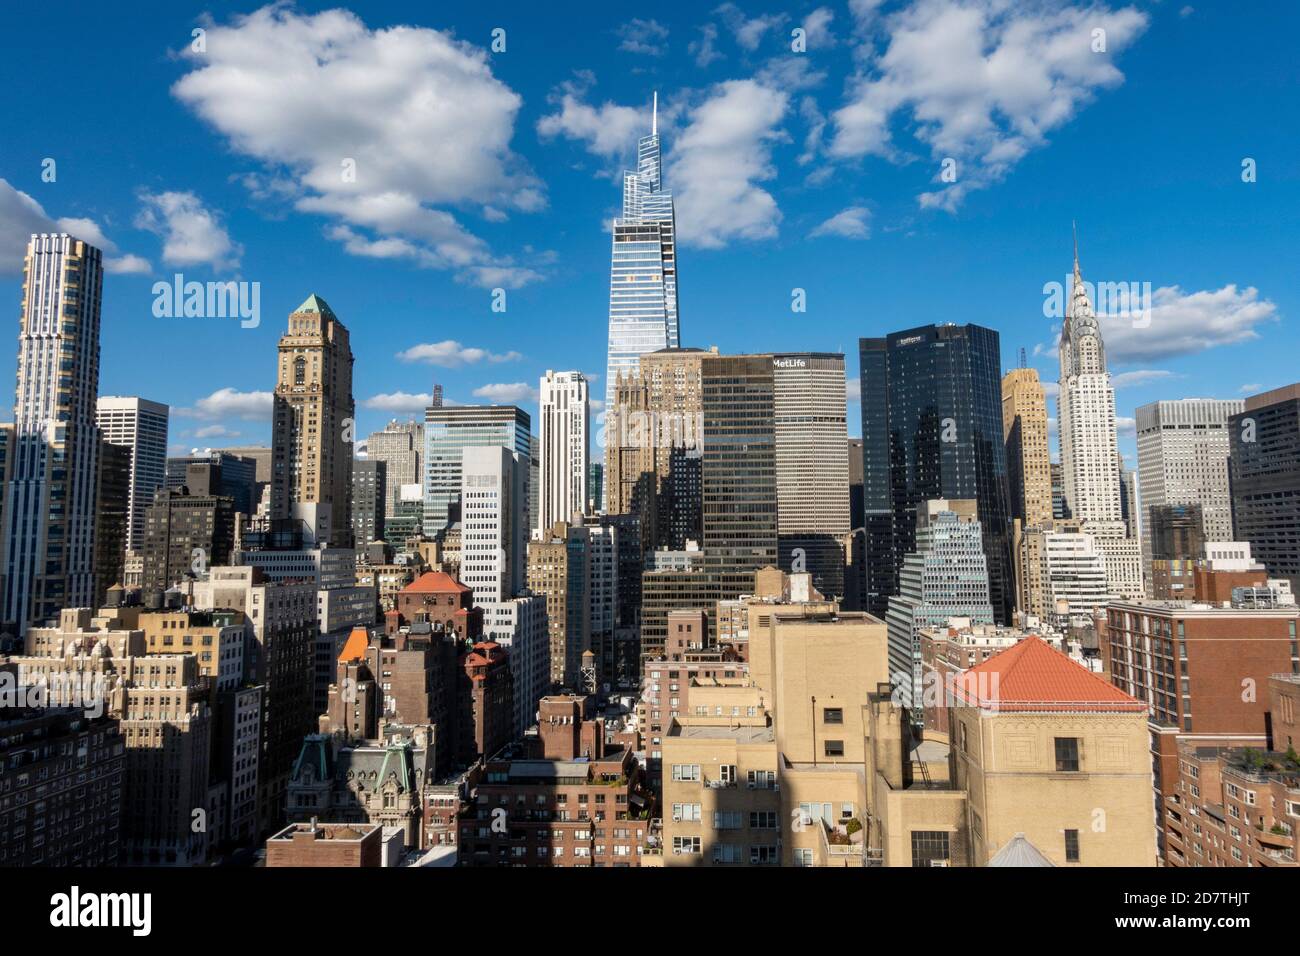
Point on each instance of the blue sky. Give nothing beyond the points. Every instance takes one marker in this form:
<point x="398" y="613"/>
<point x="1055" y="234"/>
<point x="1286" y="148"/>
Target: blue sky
<point x="818" y="170"/>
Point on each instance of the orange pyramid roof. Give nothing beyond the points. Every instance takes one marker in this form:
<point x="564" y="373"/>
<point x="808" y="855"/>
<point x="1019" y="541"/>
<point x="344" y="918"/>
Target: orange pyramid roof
<point x="439" y="581"/>
<point x="1034" y="676"/>
<point x="354" y="649"/>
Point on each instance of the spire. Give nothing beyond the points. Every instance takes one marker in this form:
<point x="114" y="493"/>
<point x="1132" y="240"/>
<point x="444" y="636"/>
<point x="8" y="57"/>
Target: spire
<point x="1074" y="227"/>
<point x="654" y="116"/>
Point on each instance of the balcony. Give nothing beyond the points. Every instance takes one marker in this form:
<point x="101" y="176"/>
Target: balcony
<point x="842" y="848"/>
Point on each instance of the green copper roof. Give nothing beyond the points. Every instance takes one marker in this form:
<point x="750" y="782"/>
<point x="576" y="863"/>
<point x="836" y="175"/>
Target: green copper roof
<point x="315" y="303"/>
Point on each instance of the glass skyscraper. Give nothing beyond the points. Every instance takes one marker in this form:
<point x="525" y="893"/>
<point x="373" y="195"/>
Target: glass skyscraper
<point x="932" y="428"/>
<point x="643" y="268"/>
<point x="448" y="430"/>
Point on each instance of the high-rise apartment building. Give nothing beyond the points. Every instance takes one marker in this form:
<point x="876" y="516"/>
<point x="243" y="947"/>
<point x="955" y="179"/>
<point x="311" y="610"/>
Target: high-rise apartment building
<point x="448" y="431"/>
<point x="1183" y="451"/>
<point x="281" y="620"/>
<point x="49" y="513"/>
<point x="313" y="422"/>
<point x="812" y="479"/>
<point x="1024" y="427"/>
<point x="946" y="576"/>
<point x="575" y="568"/>
<point x="932" y="428"/>
<point x="140" y="425"/>
<point x="400" y="446"/>
<point x="643" y="268"/>
<point x="1265" y="437"/>
<point x="185" y="534"/>
<point x="369" y="491"/>
<point x="1061" y="572"/>
<point x="494" y="540"/>
<point x="565" y="411"/>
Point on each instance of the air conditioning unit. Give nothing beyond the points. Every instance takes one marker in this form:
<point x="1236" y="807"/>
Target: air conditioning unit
<point x="939" y="863"/>
<point x="750" y="785"/>
<point x="677" y="818"/>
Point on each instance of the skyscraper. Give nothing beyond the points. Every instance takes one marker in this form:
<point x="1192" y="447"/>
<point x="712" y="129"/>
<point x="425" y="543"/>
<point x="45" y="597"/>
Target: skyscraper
<point x="1086" y="416"/>
<point x="313" y="423"/>
<point x="653" y="442"/>
<point x="1265" y="438"/>
<point x="400" y="446"/>
<point x="141" y="426"/>
<point x="643" y="268"/>
<point x="932" y="429"/>
<point x="812" y="475"/>
<point x="49" y="518"/>
<point x="1024" y="425"/>
<point x="945" y="575"/>
<point x="369" y="478"/>
<point x="494" y="541"/>
<point x="448" y="431"/>
<point x="1183" y="460"/>
<point x="564" y="408"/>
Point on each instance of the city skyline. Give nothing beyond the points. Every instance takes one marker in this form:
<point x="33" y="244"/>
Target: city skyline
<point x="991" y="268"/>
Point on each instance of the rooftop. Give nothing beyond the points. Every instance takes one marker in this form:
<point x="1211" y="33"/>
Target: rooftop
<point x="435" y="582"/>
<point x="1033" y="676"/>
<point x="742" y="734"/>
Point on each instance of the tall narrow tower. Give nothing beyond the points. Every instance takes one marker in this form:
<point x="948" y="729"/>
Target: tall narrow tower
<point x="643" y="269"/>
<point x="1086" y="406"/>
<point x="49" y="509"/>
<point x="565" y="416"/>
<point x="311" y="474"/>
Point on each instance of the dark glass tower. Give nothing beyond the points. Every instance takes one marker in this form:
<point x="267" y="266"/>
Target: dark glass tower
<point x="932" y="428"/>
<point x="1264" y="479"/>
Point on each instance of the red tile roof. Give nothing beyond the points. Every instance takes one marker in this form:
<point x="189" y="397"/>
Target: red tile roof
<point x="434" y="581"/>
<point x="1034" y="676"/>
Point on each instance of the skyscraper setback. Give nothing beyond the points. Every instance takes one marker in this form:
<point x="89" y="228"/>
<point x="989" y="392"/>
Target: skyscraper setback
<point x="643" y="266"/>
<point x="312" y="424"/>
<point x="49" y="518"/>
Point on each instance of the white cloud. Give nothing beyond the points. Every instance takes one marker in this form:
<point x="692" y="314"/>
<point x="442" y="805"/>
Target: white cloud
<point x="1125" y="425"/>
<point x="1141" y="376"/>
<point x="507" y="393"/>
<point x="451" y="354"/>
<point x="1183" y="323"/>
<point x="851" y="223"/>
<point x="1051" y="389"/>
<point x="215" y="431"/>
<point x="608" y="130"/>
<point x="719" y="158"/>
<point x="21" y="215"/>
<point x="643" y="36"/>
<point x="373" y="128"/>
<point x="128" y="265"/>
<point x="816" y="27"/>
<point x="191" y="233"/>
<point x="702" y="49"/>
<point x="1251" y="388"/>
<point x="749" y="31"/>
<point x="232" y="403"/>
<point x="403" y="403"/>
<point x="984" y="82"/>
<point x="852" y="389"/>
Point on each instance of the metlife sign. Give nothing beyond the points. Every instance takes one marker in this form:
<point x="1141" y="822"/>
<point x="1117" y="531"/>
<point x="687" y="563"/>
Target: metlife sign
<point x="779" y="362"/>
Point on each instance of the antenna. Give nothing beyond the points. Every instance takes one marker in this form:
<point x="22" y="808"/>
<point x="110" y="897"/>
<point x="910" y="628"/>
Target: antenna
<point x="437" y="396"/>
<point x="1023" y="362"/>
<point x="654" y="116"/>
